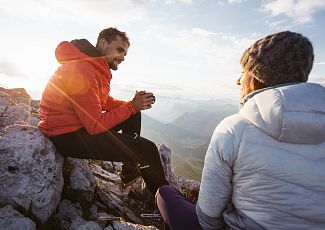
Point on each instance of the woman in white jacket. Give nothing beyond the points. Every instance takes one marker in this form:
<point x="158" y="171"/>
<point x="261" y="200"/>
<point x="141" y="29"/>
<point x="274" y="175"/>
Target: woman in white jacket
<point x="265" y="166"/>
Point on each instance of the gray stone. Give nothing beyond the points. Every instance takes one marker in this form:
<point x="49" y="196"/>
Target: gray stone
<point x="81" y="224"/>
<point x="67" y="212"/>
<point x="14" y="111"/>
<point x="82" y="180"/>
<point x="116" y="205"/>
<point x="121" y="225"/>
<point x="165" y="156"/>
<point x="11" y="219"/>
<point x="111" y="187"/>
<point x="93" y="212"/>
<point x="107" y="165"/>
<point x="178" y="182"/>
<point x="30" y="171"/>
<point x="117" y="166"/>
<point x="102" y="173"/>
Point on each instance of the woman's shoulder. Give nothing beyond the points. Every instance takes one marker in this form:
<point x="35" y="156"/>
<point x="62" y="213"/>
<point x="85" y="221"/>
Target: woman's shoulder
<point x="232" y="124"/>
<point x="227" y="136"/>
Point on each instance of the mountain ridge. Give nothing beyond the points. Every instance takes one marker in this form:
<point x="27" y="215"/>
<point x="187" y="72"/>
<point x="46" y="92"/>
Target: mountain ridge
<point x="188" y="135"/>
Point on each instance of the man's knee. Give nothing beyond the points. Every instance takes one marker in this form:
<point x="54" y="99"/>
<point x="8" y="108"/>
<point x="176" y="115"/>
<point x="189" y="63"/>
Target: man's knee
<point x="149" y="144"/>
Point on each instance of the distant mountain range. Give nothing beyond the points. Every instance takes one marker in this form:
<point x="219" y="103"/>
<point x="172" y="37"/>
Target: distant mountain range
<point x="167" y="109"/>
<point x="188" y="134"/>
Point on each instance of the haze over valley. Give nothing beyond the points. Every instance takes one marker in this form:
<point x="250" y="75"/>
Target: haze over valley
<point x="185" y="126"/>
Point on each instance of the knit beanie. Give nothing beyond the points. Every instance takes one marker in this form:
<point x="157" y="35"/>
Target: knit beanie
<point x="279" y="58"/>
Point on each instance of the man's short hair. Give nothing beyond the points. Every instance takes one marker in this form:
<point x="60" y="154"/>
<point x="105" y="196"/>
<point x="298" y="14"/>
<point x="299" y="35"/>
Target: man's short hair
<point x="110" y="34"/>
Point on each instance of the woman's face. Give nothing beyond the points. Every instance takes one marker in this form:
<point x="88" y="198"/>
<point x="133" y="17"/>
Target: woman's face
<point x="244" y="82"/>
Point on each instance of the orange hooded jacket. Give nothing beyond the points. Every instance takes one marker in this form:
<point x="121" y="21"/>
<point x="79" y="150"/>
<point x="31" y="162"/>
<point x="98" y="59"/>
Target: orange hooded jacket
<point x="77" y="95"/>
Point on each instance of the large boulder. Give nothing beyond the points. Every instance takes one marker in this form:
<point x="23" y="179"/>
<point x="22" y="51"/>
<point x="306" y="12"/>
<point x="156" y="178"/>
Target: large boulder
<point x="11" y="219"/>
<point x="30" y="172"/>
<point x="16" y="106"/>
<point x="81" y="181"/>
<point x="40" y="189"/>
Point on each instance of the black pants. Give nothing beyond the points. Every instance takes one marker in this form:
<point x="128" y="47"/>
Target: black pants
<point x="114" y="146"/>
<point x="131" y="127"/>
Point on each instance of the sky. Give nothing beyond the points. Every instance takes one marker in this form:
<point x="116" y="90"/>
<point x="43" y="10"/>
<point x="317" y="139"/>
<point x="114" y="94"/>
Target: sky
<point x="179" y="48"/>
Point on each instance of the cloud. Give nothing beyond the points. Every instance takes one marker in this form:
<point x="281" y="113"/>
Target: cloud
<point x="320" y="63"/>
<point x="203" y="46"/>
<point x="10" y="70"/>
<point x="125" y="91"/>
<point x="279" y="24"/>
<point x="197" y="59"/>
<point x="225" y="2"/>
<point x="190" y="2"/>
<point x="81" y="11"/>
<point x="299" y="11"/>
<point x="146" y="85"/>
<point x="234" y="1"/>
<point x="185" y="2"/>
<point x="162" y="86"/>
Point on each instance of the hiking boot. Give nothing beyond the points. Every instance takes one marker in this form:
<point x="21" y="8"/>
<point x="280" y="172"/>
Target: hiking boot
<point x="128" y="178"/>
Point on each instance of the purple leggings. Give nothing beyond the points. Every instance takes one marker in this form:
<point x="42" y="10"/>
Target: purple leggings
<point x="177" y="212"/>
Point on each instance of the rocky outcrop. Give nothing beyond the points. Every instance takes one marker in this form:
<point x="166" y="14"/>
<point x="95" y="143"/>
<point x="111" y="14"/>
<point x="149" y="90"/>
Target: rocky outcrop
<point x="30" y="172"/>
<point x="11" y="219"/>
<point x="41" y="190"/>
<point x="16" y="106"/>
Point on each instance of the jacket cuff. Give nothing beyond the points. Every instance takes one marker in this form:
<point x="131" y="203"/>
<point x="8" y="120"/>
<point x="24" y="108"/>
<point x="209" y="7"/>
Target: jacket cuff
<point x="131" y="107"/>
<point x="207" y="222"/>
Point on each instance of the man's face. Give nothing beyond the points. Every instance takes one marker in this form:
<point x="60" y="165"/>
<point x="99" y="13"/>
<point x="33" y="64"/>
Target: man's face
<point x="244" y="82"/>
<point x="114" y="52"/>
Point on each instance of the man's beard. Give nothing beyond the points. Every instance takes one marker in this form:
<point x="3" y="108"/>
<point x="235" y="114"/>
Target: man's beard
<point x="112" y="65"/>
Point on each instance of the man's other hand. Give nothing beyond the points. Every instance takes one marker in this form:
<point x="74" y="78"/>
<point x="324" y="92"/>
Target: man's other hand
<point x="143" y="100"/>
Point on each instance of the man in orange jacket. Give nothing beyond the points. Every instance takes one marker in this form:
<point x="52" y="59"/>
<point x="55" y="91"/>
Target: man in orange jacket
<point x="83" y="120"/>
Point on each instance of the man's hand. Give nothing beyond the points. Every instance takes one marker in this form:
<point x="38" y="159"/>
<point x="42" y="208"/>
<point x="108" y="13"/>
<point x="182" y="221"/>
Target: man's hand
<point x="143" y="100"/>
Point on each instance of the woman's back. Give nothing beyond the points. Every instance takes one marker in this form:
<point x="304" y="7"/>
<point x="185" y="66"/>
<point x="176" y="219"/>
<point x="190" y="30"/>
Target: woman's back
<point x="277" y="159"/>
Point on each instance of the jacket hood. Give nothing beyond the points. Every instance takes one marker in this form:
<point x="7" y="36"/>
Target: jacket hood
<point x="86" y="47"/>
<point x="292" y="113"/>
<point x="80" y="50"/>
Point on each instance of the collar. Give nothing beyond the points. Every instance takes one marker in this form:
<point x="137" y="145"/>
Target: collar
<point x="252" y="94"/>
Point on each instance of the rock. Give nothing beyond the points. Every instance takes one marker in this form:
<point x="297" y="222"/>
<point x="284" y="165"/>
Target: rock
<point x="165" y="154"/>
<point x="116" y="206"/>
<point x="120" y="225"/>
<point x="82" y="181"/>
<point x="67" y="213"/>
<point x="16" y="95"/>
<point x="15" y="109"/>
<point x="32" y="174"/>
<point x="103" y="172"/>
<point x="30" y="171"/>
<point x="117" y="166"/>
<point x="81" y="224"/>
<point x="178" y="182"/>
<point x="10" y="219"/>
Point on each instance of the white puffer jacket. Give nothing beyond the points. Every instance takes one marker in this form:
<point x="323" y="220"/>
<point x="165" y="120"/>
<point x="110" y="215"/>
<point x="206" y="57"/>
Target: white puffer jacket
<point x="265" y="167"/>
